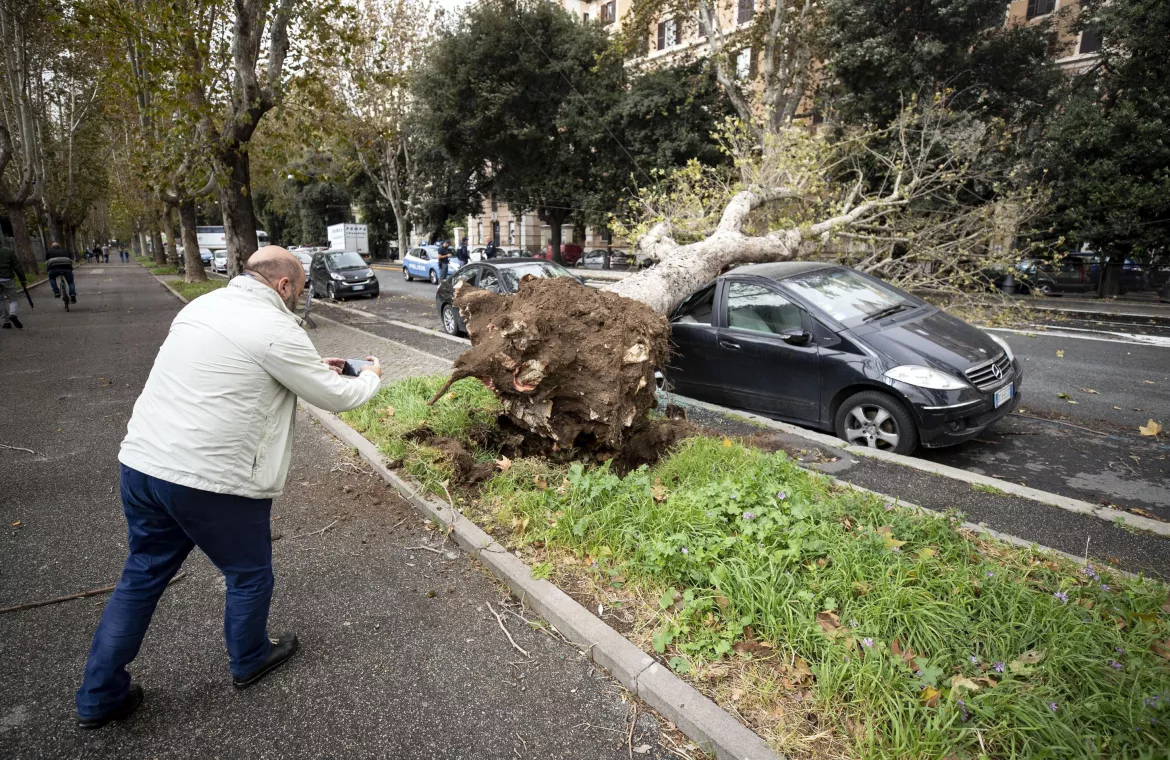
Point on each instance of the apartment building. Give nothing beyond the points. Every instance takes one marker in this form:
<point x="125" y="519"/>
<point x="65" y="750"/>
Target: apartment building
<point x="1074" y="51"/>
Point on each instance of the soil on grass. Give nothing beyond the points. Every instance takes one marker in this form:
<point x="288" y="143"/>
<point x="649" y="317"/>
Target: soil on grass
<point x="568" y="363"/>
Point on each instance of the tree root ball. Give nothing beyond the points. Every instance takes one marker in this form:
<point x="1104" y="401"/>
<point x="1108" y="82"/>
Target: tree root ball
<point x="568" y="362"/>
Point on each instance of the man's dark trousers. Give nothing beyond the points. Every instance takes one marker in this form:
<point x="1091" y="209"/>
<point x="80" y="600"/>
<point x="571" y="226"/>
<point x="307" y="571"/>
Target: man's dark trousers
<point x="166" y="521"/>
<point x="68" y="272"/>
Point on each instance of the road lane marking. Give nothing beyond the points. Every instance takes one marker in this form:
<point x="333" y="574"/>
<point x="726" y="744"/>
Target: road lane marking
<point x="1157" y="341"/>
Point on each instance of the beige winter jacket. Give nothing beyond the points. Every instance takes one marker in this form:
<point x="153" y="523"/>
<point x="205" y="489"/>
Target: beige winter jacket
<point x="218" y="408"/>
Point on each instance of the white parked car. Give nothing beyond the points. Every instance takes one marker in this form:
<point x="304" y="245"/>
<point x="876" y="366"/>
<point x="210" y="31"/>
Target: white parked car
<point x="219" y="261"/>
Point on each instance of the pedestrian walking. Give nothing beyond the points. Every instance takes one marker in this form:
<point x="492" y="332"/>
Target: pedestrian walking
<point x="462" y="254"/>
<point x="444" y="259"/>
<point x="206" y="450"/>
<point x="106" y="253"/>
<point x="11" y="271"/>
<point x="88" y="256"/>
<point x="489" y="251"/>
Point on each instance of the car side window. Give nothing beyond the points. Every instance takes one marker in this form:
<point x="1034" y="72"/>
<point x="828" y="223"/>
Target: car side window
<point x="699" y="308"/>
<point x="466" y="274"/>
<point x="759" y="309"/>
<point x="490" y="280"/>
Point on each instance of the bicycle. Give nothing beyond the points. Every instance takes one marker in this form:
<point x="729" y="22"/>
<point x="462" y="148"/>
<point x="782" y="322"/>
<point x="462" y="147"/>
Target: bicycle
<point x="63" y="289"/>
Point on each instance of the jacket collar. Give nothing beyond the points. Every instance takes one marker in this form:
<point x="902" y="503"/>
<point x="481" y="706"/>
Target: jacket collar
<point x="259" y="290"/>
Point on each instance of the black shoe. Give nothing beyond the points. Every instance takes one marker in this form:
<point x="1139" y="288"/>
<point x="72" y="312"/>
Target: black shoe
<point x="56" y="295"/>
<point x="278" y="654"/>
<point x="72" y="299"/>
<point x="15" y="322"/>
<point x="133" y="700"/>
<point x="7" y="326"/>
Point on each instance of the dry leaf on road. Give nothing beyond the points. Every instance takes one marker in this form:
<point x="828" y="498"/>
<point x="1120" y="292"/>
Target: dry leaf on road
<point x="1150" y="428"/>
<point x="1060" y="353"/>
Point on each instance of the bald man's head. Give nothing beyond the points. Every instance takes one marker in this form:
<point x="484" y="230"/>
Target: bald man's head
<point x="279" y="270"/>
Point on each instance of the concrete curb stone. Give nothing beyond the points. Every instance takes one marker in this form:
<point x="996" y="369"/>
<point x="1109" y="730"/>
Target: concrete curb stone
<point x="707" y="724"/>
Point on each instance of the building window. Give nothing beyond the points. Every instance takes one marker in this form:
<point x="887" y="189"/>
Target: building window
<point x="667" y="34"/>
<point x="585" y="17"/>
<point x="479" y="233"/>
<point x="1035" y="7"/>
<point x="496" y="233"/>
<point x="495" y="206"/>
<point x="747" y="9"/>
<point x="743" y="63"/>
<point x="608" y="12"/>
<point x="703" y="27"/>
<point x="511" y="233"/>
<point x="1090" y="41"/>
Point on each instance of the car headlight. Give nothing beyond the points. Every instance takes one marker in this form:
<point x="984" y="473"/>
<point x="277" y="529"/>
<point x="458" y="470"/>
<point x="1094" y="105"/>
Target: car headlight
<point x="1004" y="345"/>
<point x="336" y="276"/>
<point x="925" y="377"/>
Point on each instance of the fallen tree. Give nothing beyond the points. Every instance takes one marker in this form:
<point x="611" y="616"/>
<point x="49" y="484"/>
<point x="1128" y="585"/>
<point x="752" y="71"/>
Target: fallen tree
<point x="576" y="365"/>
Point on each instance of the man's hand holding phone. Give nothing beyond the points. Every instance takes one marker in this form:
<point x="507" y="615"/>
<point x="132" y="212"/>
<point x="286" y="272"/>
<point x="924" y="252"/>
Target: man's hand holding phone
<point x="354" y="367"/>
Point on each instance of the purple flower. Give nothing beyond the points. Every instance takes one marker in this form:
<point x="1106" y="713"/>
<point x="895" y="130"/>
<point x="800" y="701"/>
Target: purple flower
<point x="998" y="667"/>
<point x="1053" y="706"/>
<point x="781" y="495"/>
<point x="1105" y="588"/>
<point x="897" y="548"/>
<point x="868" y="642"/>
<point x="974" y="659"/>
<point x="963" y="709"/>
<point x="748" y="516"/>
<point x="1115" y="664"/>
<point x="1119" y="650"/>
<point x="852" y="623"/>
<point x="684" y="550"/>
<point x="1063" y="597"/>
<point x="990" y="574"/>
<point x="889" y="507"/>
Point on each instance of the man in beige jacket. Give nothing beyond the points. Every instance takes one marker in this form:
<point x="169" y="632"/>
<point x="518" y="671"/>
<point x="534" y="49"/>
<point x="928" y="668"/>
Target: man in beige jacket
<point x="206" y="450"/>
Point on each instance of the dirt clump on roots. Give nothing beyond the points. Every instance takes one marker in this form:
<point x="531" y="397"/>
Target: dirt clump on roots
<point x="571" y="365"/>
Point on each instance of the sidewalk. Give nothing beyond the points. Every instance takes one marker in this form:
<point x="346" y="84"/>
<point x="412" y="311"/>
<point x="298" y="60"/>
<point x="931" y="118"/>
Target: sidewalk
<point x="1102" y="307"/>
<point x="401" y="657"/>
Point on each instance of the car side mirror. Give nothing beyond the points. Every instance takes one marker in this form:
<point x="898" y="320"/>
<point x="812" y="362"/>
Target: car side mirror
<point x="796" y="337"/>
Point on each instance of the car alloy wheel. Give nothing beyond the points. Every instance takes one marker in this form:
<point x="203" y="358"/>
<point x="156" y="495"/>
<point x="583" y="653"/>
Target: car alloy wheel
<point x="434" y="277"/>
<point x="878" y="421"/>
<point x="1044" y="289"/>
<point x="332" y="292"/>
<point x="449" y="323"/>
<point x="406" y="274"/>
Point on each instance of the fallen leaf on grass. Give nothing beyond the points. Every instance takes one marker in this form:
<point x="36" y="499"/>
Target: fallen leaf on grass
<point x="727" y="443"/>
<point x="658" y="492"/>
<point x="959" y="682"/>
<point x="504" y="464"/>
<point x="1150" y="428"/>
<point x="1161" y="648"/>
<point x="929" y="696"/>
<point x="1141" y="512"/>
<point x="925" y="553"/>
<point x="830" y="623"/>
<point x="388" y="412"/>
<point x="539" y="481"/>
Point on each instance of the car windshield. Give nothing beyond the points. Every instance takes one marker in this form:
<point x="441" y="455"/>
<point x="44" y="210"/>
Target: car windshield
<point x="848" y="296"/>
<point x="304" y="258"/>
<point x="513" y="274"/>
<point x="347" y="260"/>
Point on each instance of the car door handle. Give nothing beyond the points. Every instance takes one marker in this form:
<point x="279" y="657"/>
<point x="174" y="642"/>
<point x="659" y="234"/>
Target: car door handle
<point x="729" y="344"/>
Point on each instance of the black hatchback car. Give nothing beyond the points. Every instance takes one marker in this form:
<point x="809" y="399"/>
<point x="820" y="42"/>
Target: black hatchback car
<point x="498" y="276"/>
<point x="341" y="274"/>
<point x="828" y="347"/>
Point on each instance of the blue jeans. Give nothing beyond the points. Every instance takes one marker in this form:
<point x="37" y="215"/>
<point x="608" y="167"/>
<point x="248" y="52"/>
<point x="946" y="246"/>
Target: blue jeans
<point x="166" y="521"/>
<point x="53" y="272"/>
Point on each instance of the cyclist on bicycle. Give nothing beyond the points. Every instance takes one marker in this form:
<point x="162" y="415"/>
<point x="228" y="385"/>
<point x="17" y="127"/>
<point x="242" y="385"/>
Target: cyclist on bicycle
<point x="60" y="262"/>
<point x="10" y="271"/>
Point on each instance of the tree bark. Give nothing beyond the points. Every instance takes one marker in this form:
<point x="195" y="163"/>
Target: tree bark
<point x="21" y="241"/>
<point x="555" y="219"/>
<point x="156" y="246"/>
<point x="168" y="221"/>
<point x="192" y="265"/>
<point x="239" y="220"/>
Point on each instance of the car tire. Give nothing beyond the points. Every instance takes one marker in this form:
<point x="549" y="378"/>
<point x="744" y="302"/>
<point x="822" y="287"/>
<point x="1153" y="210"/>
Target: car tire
<point x="434" y="277"/>
<point x="1043" y="290"/>
<point x="406" y="273"/>
<point x="450" y="323"/>
<point x="331" y="292"/>
<point x="877" y="420"/>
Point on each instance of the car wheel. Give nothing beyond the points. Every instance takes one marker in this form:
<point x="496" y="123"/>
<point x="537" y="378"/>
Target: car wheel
<point x="434" y="277"/>
<point x="406" y="273"/>
<point x="1044" y="289"/>
<point x="877" y="420"/>
<point x="331" y="292"/>
<point x="450" y="323"/>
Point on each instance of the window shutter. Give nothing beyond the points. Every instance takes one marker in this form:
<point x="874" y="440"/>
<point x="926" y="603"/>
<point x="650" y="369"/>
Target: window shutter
<point x="661" y="35"/>
<point x="1090" y="41"/>
<point x="747" y="8"/>
<point x="702" y="26"/>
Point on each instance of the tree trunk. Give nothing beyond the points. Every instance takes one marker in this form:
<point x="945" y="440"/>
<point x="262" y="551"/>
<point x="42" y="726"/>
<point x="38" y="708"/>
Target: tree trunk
<point x="21" y="242"/>
<point x="239" y="221"/>
<point x="555" y="218"/>
<point x="192" y="264"/>
<point x="53" y="227"/>
<point x="1111" y="269"/>
<point x="403" y="225"/>
<point x="156" y="245"/>
<point x="168" y="221"/>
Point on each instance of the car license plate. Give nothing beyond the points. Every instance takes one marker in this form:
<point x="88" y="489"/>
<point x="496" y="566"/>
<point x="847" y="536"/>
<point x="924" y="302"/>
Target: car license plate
<point x="1003" y="395"/>
<point x="363" y="287"/>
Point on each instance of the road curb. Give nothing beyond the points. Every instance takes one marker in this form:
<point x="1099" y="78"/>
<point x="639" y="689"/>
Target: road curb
<point x="713" y="729"/>
<point x="1066" y="503"/>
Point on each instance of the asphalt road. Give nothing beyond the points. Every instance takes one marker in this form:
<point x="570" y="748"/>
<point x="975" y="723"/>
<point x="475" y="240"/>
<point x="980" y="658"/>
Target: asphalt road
<point x="400" y="657"/>
<point x="1127" y="363"/>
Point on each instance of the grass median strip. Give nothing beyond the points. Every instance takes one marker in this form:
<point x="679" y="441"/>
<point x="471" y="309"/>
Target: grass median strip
<point x="192" y="290"/>
<point x="835" y="624"/>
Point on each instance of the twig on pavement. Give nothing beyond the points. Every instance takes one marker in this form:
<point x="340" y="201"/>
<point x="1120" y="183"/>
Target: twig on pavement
<point x="630" y="731"/>
<point x="1059" y="422"/>
<point x="424" y="548"/>
<point x="79" y="595"/>
<point x="503" y="628"/>
<point x="316" y="532"/>
<point x="16" y="448"/>
<point x="395" y="525"/>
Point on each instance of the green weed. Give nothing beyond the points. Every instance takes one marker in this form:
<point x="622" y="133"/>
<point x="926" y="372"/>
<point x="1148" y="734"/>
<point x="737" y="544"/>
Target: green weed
<point x="192" y="290"/>
<point x="165" y="270"/>
<point x="989" y="489"/>
<point x="919" y="638"/>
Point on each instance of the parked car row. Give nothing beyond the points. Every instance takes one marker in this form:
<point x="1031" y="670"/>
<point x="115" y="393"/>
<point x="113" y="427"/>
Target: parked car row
<point x="620" y="260"/>
<point x="818" y="345"/>
<point x="1074" y="273"/>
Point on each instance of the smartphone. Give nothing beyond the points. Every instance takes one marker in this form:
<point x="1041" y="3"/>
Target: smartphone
<point x="353" y="367"/>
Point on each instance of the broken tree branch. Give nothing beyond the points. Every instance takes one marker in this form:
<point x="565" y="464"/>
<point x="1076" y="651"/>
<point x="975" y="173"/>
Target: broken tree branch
<point x="503" y="628"/>
<point x="79" y="595"/>
<point x="316" y="532"/>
